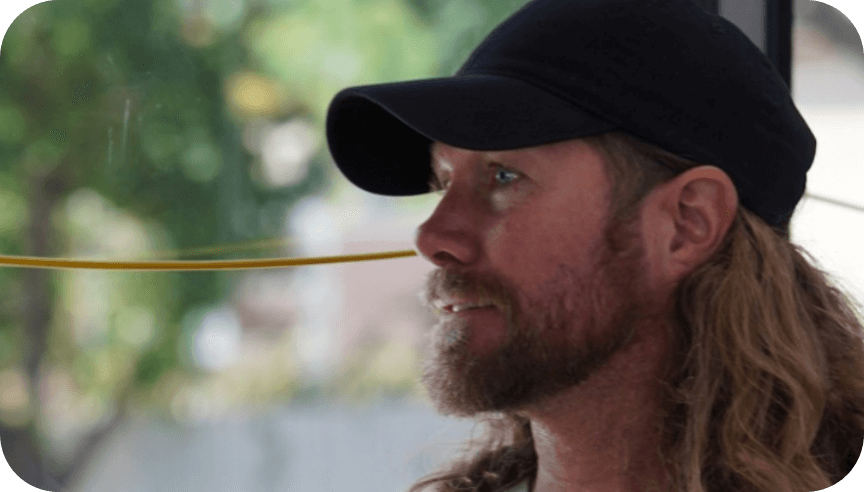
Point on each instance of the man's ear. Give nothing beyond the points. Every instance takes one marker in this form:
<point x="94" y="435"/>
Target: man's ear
<point x="686" y="219"/>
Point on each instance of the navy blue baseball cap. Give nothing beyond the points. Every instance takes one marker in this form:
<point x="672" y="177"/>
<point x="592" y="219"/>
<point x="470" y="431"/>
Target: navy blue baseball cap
<point x="664" y="71"/>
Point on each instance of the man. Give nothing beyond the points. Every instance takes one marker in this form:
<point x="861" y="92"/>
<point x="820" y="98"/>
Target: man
<point x="617" y="293"/>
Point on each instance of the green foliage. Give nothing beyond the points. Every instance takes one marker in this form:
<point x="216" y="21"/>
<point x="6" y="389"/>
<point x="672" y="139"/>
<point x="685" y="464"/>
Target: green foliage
<point x="154" y="363"/>
<point x="137" y="110"/>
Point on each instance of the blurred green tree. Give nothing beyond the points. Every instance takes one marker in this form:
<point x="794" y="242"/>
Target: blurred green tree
<point x="133" y="112"/>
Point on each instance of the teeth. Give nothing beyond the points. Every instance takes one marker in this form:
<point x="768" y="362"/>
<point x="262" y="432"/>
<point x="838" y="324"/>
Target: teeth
<point x="463" y="307"/>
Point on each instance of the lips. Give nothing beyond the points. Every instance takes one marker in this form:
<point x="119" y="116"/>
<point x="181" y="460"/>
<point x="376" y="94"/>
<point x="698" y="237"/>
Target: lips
<point x="455" y="305"/>
<point x="449" y="309"/>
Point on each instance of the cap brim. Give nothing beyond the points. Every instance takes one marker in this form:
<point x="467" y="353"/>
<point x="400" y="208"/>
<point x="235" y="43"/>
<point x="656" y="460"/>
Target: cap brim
<point x="379" y="135"/>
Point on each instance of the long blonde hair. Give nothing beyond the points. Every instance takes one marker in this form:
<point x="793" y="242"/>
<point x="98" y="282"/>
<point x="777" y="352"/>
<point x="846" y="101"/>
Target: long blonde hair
<point x="764" y="388"/>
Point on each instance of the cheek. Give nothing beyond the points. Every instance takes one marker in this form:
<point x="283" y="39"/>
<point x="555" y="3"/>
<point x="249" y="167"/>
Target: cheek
<point x="502" y="201"/>
<point x="526" y="249"/>
<point x="512" y="241"/>
<point x="493" y="237"/>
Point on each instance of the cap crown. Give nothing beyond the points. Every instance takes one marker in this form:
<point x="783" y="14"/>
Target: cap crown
<point x="670" y="73"/>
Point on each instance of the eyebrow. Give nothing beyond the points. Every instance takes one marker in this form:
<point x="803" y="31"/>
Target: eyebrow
<point x="434" y="182"/>
<point x="434" y="156"/>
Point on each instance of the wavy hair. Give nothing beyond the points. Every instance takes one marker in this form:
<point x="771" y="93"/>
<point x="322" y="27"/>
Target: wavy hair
<point x="764" y="386"/>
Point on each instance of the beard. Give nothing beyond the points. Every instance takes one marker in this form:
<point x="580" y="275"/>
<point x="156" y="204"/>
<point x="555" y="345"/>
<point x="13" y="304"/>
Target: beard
<point x="557" y="335"/>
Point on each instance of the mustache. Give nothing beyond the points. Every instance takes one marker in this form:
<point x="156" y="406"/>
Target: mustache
<point x="443" y="284"/>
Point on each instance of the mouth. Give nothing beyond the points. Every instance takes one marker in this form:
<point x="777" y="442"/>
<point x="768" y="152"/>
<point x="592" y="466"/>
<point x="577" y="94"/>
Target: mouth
<point x="466" y="307"/>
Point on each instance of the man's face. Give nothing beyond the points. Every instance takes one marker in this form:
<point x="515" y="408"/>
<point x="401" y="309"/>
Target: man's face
<point x="524" y="230"/>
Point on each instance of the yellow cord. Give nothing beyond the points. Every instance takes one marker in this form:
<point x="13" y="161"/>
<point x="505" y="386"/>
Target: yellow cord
<point x="170" y="266"/>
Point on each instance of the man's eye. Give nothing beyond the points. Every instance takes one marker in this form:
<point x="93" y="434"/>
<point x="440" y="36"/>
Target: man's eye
<point x="497" y="173"/>
<point x="441" y="186"/>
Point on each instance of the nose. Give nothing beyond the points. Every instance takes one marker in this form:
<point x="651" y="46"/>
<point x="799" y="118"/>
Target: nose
<point x="449" y="236"/>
